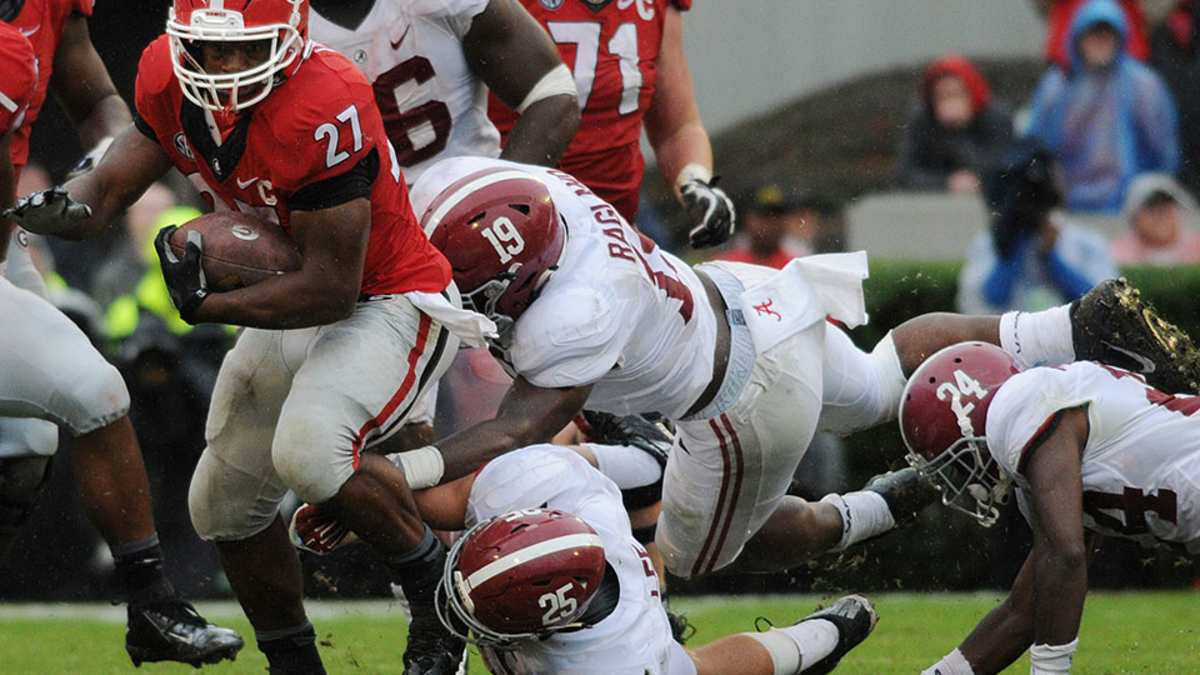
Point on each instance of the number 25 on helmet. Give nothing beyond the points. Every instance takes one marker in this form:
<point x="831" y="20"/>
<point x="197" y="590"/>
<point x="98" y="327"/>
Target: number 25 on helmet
<point x="503" y="237"/>
<point x="943" y="419"/>
<point x="521" y="576"/>
<point x="272" y="33"/>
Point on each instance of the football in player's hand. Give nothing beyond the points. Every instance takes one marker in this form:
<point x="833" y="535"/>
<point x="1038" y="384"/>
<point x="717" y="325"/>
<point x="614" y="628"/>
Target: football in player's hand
<point x="239" y="249"/>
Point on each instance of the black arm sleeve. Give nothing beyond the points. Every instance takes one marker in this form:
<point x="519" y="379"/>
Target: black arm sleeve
<point x="344" y="187"/>
<point x="144" y="127"/>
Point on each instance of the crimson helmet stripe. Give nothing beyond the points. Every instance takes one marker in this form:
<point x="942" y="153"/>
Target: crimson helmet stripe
<point x="538" y="550"/>
<point x="448" y="200"/>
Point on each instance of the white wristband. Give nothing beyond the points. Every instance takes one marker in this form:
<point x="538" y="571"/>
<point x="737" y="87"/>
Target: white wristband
<point x="693" y="172"/>
<point x="1052" y="658"/>
<point x="557" y="82"/>
<point x="953" y="663"/>
<point x="423" y="467"/>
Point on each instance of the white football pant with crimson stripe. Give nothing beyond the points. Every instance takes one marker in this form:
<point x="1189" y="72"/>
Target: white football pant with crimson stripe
<point x="295" y="409"/>
<point x="727" y="474"/>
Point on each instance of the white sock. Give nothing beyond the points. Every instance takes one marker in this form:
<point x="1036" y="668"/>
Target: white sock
<point x="864" y="515"/>
<point x="953" y="663"/>
<point x="1038" y="338"/>
<point x="795" y="648"/>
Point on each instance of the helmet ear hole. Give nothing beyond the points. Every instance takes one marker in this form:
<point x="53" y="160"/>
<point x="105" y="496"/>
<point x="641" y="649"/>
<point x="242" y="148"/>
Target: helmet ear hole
<point x="523" y="208"/>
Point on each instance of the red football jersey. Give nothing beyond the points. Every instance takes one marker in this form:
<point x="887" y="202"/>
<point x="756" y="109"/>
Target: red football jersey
<point x="317" y="141"/>
<point x="19" y="82"/>
<point x="41" y="21"/>
<point x="612" y="47"/>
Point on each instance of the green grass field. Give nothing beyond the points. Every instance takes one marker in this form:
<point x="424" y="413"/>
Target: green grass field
<point x="1122" y="633"/>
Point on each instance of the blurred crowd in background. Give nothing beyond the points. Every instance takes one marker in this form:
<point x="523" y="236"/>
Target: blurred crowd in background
<point x="1111" y="134"/>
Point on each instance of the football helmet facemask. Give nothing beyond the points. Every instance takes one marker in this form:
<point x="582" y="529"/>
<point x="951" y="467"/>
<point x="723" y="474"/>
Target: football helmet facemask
<point x="280" y="26"/>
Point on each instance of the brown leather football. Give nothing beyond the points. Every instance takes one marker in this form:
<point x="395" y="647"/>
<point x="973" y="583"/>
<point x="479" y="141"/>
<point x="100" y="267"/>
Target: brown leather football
<point x="239" y="249"/>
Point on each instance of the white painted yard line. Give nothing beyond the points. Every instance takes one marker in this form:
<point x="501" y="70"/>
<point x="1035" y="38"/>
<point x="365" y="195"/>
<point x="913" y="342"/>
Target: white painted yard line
<point x="337" y="609"/>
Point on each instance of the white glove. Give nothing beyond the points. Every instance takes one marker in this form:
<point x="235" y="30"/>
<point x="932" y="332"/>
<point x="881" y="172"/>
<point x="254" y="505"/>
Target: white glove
<point x="50" y="212"/>
<point x="711" y="213"/>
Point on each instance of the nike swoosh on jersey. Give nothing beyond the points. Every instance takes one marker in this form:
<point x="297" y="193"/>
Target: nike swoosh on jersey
<point x="1147" y="366"/>
<point x="245" y="184"/>
<point x="7" y="103"/>
<point x="397" y="43"/>
<point x="30" y="33"/>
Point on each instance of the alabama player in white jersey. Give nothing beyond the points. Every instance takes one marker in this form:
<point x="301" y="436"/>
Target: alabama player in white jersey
<point x="543" y="513"/>
<point x="737" y="356"/>
<point x="432" y="62"/>
<point x="1089" y="448"/>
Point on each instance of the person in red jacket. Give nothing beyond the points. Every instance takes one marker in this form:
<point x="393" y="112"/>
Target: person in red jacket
<point x="630" y="70"/>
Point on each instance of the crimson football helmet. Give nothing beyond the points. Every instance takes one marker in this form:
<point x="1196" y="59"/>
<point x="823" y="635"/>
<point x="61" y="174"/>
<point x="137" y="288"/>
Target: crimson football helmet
<point x="521" y="576"/>
<point x="943" y="418"/>
<point x="500" y="231"/>
<point x="283" y="24"/>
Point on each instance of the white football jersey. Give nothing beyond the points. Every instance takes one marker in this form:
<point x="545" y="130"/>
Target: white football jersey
<point x="1141" y="465"/>
<point x="555" y="477"/>
<point x="619" y="313"/>
<point x="433" y="106"/>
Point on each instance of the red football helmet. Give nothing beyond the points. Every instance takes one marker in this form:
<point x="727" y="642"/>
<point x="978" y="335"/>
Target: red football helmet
<point x="502" y="235"/>
<point x="281" y="24"/>
<point x="943" y="418"/>
<point x="520" y="576"/>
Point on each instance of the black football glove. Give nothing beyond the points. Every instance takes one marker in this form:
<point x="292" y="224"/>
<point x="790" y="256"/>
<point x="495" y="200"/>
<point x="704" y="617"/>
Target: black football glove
<point x="184" y="276"/>
<point x="711" y="212"/>
<point x="50" y="212"/>
<point x="638" y="432"/>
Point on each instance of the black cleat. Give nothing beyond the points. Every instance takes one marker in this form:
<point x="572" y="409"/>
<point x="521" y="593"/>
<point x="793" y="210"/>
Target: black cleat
<point x="172" y="630"/>
<point x="855" y="618"/>
<point x="906" y="492"/>
<point x="431" y="649"/>
<point x="1113" y="325"/>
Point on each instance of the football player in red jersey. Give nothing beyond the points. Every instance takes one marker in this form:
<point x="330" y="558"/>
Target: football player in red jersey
<point x="335" y="353"/>
<point x="630" y="69"/>
<point x="52" y="375"/>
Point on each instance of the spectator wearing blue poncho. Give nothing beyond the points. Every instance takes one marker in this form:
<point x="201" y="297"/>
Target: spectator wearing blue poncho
<point x="1107" y="118"/>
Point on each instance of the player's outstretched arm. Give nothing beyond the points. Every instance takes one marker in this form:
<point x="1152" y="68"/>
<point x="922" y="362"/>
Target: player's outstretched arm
<point x="333" y="249"/>
<point x="82" y="86"/>
<point x="89" y="203"/>
<point x="511" y="53"/>
<point x="528" y="414"/>
<point x="681" y="144"/>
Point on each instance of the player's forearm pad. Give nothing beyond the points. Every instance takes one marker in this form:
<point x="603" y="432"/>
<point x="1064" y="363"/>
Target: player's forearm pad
<point x="423" y="467"/>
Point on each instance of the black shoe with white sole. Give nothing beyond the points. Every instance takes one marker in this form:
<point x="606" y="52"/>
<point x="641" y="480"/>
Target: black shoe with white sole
<point x="170" y="629"/>
<point x="1113" y="325"/>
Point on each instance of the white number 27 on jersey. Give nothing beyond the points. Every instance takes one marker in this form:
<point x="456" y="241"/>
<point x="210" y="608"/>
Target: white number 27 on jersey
<point x="329" y="131"/>
<point x="505" y="238"/>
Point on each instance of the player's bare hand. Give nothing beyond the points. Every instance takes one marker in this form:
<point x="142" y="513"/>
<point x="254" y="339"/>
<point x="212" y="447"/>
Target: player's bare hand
<point x="184" y="276"/>
<point x="51" y="212"/>
<point x="317" y="532"/>
<point x="710" y="211"/>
